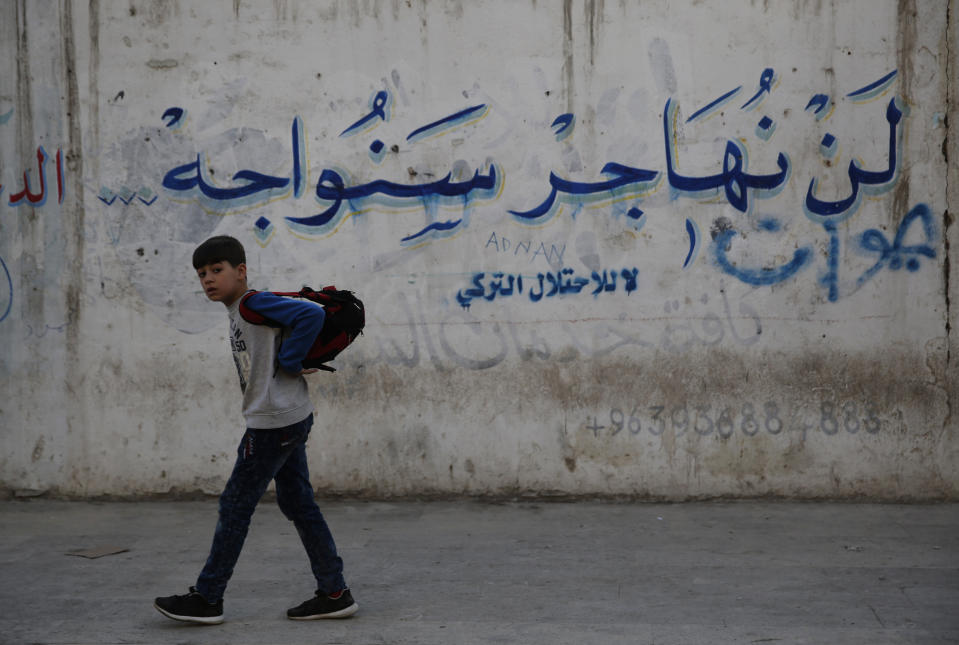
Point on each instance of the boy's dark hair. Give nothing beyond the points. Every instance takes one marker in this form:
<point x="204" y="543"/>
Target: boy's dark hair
<point x="221" y="248"/>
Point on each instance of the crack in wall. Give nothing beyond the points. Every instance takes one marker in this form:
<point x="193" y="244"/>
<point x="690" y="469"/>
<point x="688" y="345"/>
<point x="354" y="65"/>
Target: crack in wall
<point x="947" y="216"/>
<point x="568" y="52"/>
<point x="73" y="215"/>
<point x="74" y="160"/>
<point x="29" y="227"/>
<point x="93" y="83"/>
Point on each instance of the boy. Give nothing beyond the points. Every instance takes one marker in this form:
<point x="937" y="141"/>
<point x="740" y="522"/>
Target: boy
<point x="279" y="414"/>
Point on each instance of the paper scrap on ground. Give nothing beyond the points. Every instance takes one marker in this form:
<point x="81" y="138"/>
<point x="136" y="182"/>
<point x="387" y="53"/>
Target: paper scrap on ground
<point x="98" y="552"/>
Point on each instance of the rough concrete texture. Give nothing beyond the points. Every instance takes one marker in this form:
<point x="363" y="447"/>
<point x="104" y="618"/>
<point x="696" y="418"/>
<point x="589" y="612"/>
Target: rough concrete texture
<point x="669" y="249"/>
<point x="472" y="572"/>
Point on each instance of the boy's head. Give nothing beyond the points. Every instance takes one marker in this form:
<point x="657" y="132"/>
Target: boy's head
<point x="220" y="263"/>
<point x="221" y="248"/>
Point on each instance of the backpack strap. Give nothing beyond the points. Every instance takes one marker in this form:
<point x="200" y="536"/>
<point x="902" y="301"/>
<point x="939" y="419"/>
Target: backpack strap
<point x="256" y="318"/>
<point x="249" y="315"/>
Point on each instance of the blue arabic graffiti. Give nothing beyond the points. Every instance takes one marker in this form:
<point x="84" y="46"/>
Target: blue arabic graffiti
<point x="251" y="188"/>
<point x="861" y="181"/>
<point x="174" y="116"/>
<point x="715" y="105"/>
<point x="9" y="284"/>
<point x="144" y="195"/>
<point x="463" y="116"/>
<point x="544" y="285"/>
<point x="332" y="188"/>
<point x="693" y="231"/>
<point x="255" y="187"/>
<point x="563" y="125"/>
<point x="758" y="276"/>
<point x="380" y="108"/>
<point x="622" y="188"/>
<point x="740" y="187"/>
<point x="625" y="181"/>
<point x="823" y="106"/>
<point x="896" y="255"/>
<point x="734" y="180"/>
<point x="765" y="87"/>
<point x="873" y="89"/>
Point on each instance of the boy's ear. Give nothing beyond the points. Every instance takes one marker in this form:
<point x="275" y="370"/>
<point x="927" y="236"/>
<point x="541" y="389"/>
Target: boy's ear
<point x="241" y="270"/>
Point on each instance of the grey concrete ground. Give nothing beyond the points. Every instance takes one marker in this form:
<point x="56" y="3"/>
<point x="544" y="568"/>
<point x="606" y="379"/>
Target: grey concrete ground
<point x="472" y="572"/>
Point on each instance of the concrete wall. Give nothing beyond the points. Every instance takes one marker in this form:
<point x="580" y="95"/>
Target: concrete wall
<point x="660" y="249"/>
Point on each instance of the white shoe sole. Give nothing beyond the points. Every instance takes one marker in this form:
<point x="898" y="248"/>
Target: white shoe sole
<point x="202" y="620"/>
<point x="346" y="612"/>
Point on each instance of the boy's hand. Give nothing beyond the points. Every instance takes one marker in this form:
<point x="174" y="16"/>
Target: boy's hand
<point x="311" y="370"/>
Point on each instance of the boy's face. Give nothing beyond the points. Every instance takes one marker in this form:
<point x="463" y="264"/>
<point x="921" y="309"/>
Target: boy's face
<point x="223" y="282"/>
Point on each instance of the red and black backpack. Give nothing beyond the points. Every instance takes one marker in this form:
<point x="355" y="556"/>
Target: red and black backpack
<point x="345" y="319"/>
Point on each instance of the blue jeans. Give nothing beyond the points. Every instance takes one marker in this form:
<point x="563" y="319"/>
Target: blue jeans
<point x="264" y="455"/>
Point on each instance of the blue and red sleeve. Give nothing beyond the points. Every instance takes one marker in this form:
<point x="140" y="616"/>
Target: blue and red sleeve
<point x="301" y="319"/>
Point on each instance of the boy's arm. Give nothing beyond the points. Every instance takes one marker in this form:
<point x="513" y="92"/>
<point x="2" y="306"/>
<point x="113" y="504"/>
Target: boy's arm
<point x="302" y="319"/>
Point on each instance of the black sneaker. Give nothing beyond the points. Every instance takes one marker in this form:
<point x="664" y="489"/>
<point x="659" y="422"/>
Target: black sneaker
<point x="191" y="607"/>
<point x="337" y="605"/>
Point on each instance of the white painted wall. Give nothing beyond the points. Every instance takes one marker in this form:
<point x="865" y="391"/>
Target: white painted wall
<point x="778" y="347"/>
